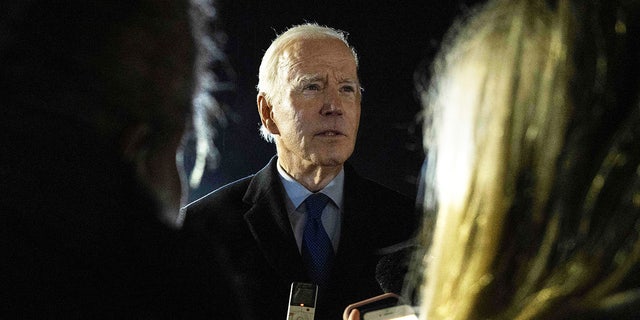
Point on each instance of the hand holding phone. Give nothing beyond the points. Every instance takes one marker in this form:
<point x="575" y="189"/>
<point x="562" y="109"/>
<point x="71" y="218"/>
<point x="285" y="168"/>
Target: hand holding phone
<point x="388" y="306"/>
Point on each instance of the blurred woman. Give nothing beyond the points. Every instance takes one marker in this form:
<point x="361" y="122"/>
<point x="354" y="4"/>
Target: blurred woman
<point x="532" y="134"/>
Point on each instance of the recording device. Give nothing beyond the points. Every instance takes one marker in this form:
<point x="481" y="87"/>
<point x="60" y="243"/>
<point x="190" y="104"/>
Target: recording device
<point x="302" y="301"/>
<point x="399" y="312"/>
<point x="394" y="264"/>
<point x="392" y="269"/>
<point x="388" y="306"/>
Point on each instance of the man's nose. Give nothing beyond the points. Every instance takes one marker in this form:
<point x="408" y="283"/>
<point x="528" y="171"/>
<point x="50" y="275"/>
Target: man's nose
<point x="332" y="105"/>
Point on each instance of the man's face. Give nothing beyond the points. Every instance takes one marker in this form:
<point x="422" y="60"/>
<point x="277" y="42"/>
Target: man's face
<point x="317" y="113"/>
<point x="166" y="177"/>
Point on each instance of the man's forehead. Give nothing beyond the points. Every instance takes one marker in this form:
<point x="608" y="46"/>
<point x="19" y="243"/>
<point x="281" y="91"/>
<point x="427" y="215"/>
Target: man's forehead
<point x="318" y="59"/>
<point x="302" y="77"/>
<point x="315" y="44"/>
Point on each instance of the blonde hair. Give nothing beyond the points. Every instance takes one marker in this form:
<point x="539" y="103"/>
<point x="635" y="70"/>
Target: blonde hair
<point x="497" y="116"/>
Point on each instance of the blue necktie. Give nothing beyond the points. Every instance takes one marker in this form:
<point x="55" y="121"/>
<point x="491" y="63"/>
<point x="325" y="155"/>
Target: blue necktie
<point x="317" y="250"/>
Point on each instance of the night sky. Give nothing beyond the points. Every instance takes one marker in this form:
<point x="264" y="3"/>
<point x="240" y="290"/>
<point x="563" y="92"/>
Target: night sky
<point x="393" y="39"/>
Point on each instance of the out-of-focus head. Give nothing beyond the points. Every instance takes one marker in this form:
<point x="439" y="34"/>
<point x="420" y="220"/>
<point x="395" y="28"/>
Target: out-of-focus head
<point x="309" y="96"/>
<point x="532" y="181"/>
<point x="124" y="68"/>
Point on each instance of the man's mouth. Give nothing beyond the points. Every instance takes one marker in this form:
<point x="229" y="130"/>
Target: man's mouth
<point x="330" y="133"/>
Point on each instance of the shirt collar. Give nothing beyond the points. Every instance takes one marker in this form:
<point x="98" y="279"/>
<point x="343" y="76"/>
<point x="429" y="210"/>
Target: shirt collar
<point x="298" y="193"/>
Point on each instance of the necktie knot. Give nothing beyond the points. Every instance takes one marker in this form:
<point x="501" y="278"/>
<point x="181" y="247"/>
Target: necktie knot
<point x="315" y="204"/>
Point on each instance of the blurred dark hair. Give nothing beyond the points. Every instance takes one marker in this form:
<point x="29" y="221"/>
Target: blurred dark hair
<point x="112" y="64"/>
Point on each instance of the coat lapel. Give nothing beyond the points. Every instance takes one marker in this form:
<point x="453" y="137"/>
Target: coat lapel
<point x="352" y="238"/>
<point x="269" y="223"/>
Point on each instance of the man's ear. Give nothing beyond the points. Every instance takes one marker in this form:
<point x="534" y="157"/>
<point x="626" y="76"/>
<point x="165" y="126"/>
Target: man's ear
<point x="264" y="108"/>
<point x="135" y="143"/>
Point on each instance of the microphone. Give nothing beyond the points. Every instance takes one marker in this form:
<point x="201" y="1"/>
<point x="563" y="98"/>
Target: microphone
<point x="393" y="267"/>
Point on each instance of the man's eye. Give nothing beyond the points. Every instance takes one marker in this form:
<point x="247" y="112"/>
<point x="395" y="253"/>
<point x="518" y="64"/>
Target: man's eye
<point x="312" y="87"/>
<point x="348" y="89"/>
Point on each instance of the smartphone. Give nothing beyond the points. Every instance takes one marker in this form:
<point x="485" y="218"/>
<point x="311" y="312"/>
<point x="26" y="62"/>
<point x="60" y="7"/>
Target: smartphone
<point x="302" y="301"/>
<point x="399" y="312"/>
<point x="387" y="306"/>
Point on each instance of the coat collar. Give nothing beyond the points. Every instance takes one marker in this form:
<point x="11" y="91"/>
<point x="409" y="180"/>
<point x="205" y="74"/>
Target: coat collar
<point x="268" y="221"/>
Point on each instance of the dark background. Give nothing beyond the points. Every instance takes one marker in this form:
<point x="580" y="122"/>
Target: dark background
<point x="393" y="40"/>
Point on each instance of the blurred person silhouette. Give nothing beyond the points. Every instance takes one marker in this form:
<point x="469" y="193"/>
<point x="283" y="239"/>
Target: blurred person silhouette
<point x="309" y="97"/>
<point x="532" y="185"/>
<point x="532" y="207"/>
<point x="99" y="99"/>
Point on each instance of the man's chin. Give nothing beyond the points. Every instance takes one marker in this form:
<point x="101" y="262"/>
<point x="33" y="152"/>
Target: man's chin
<point x="332" y="161"/>
<point x="171" y="217"/>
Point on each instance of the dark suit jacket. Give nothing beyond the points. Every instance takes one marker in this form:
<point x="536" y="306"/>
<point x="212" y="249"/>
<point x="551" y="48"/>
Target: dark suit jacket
<point x="246" y="223"/>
